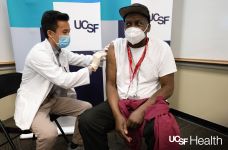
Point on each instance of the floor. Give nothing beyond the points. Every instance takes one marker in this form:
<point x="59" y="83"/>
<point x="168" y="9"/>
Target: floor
<point x="187" y="129"/>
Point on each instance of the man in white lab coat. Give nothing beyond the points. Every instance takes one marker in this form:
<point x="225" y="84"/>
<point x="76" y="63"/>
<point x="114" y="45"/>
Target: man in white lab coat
<point x="47" y="85"/>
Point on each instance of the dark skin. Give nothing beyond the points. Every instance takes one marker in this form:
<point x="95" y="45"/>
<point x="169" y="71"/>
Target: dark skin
<point x="136" y="118"/>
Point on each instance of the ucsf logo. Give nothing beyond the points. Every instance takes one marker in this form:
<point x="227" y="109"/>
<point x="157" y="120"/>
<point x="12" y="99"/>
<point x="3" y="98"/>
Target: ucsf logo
<point x="84" y="24"/>
<point x="159" y="19"/>
<point x="178" y="139"/>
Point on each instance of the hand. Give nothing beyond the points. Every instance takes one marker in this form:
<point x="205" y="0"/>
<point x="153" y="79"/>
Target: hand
<point x="91" y="69"/>
<point x="135" y="119"/>
<point x="121" y="128"/>
<point x="106" y="47"/>
<point x="106" y="50"/>
<point x="97" y="59"/>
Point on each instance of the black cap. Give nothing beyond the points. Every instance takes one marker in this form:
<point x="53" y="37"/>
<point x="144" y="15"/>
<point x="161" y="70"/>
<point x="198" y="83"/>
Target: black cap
<point x="135" y="8"/>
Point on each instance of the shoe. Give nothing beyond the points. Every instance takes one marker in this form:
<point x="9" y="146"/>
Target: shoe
<point x="73" y="146"/>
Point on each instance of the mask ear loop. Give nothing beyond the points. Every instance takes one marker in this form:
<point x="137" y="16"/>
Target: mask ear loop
<point x="146" y="28"/>
<point x="54" y="39"/>
<point x="57" y="44"/>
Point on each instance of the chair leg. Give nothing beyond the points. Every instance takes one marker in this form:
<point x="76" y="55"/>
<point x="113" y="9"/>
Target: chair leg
<point x="33" y="136"/>
<point x="7" y="136"/>
<point x="61" y="130"/>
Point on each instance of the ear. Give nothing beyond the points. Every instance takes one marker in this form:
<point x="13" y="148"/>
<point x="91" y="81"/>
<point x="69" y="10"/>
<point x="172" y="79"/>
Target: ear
<point x="50" y="33"/>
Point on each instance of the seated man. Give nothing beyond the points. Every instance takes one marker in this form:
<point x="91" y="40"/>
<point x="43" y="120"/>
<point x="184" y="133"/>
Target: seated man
<point x="140" y="76"/>
<point x="47" y="85"/>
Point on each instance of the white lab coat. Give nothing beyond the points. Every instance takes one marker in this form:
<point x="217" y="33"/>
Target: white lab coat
<point x="41" y="72"/>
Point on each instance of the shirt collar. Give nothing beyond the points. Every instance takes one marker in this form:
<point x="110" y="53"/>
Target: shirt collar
<point x="56" y="51"/>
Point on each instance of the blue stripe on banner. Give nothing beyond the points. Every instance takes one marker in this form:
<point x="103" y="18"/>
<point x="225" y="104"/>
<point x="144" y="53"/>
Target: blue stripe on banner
<point x="121" y="29"/>
<point x="110" y="9"/>
<point x="28" y="13"/>
<point x="90" y="92"/>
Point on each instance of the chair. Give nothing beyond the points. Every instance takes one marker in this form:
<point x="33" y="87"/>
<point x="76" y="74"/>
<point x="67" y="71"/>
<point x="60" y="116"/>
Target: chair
<point x="9" y="83"/>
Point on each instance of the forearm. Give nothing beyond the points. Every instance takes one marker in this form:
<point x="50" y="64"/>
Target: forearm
<point x="165" y="91"/>
<point x="113" y="100"/>
<point x="81" y="60"/>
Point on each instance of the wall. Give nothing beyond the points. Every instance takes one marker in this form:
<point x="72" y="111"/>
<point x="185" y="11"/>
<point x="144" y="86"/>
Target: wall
<point x="200" y="30"/>
<point x="6" y="53"/>
<point x="7" y="103"/>
<point x="6" y="57"/>
<point x="199" y="91"/>
<point x="202" y="93"/>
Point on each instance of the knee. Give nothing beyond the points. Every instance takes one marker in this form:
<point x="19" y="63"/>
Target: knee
<point x="87" y="105"/>
<point x="48" y="134"/>
<point x="85" y="120"/>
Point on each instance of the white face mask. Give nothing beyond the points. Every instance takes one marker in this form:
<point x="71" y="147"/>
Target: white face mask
<point x="135" y="35"/>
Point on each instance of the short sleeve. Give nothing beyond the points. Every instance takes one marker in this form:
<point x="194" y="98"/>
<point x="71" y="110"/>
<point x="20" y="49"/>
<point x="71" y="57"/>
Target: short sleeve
<point x="167" y="62"/>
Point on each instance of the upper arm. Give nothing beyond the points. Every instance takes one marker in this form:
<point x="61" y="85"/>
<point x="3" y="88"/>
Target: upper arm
<point x="167" y="68"/>
<point x="111" y="66"/>
<point x="167" y="81"/>
<point x="43" y="64"/>
<point x="111" y="87"/>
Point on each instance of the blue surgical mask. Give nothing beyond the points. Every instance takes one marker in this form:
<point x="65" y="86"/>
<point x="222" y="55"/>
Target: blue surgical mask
<point x="64" y="41"/>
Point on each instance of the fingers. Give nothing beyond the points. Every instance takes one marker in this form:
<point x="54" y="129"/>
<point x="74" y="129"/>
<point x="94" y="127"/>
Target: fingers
<point x="103" y="58"/>
<point x="127" y="138"/>
<point x="106" y="47"/>
<point x="94" y="67"/>
<point x="103" y="53"/>
<point x="122" y="130"/>
<point x="97" y="58"/>
<point x="125" y="128"/>
<point x="124" y="133"/>
<point x="131" y="125"/>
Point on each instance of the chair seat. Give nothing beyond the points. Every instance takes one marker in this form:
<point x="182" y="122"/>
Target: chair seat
<point x="9" y="84"/>
<point x="54" y="117"/>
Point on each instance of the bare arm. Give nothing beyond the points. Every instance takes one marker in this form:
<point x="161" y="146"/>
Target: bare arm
<point x="166" y="90"/>
<point x="111" y="88"/>
<point x="112" y="94"/>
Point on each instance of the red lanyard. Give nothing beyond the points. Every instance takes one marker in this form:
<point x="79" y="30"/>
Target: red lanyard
<point x="136" y="69"/>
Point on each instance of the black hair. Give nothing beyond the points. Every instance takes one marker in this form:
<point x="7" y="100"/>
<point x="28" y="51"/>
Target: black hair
<point x="49" y="20"/>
